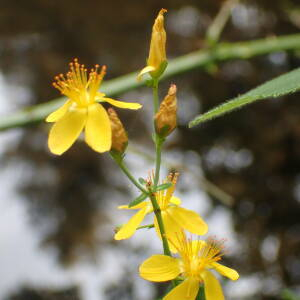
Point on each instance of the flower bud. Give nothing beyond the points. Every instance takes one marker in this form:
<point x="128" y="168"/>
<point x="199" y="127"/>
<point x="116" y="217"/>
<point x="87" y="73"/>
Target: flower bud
<point x="166" y="117"/>
<point x="157" y="60"/>
<point x="119" y="135"/>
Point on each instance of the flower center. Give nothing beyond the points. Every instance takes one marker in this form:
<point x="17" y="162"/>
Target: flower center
<point x="198" y="255"/>
<point x="79" y="87"/>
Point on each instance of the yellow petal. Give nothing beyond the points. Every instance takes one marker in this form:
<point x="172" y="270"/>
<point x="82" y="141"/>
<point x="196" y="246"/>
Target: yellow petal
<point x="66" y="130"/>
<point x="57" y="114"/>
<point x="188" y="220"/>
<point x="187" y="290"/>
<point x="212" y="287"/>
<point x="144" y="71"/>
<point x="138" y="206"/>
<point x="159" y="268"/>
<point x="225" y="271"/>
<point x="172" y="229"/>
<point x="128" y="229"/>
<point x="197" y="245"/>
<point x="175" y="200"/>
<point x="98" y="128"/>
<point x="121" y="104"/>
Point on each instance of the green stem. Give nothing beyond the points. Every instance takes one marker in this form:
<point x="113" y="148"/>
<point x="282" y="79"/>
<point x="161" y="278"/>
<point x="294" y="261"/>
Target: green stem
<point x="215" y="29"/>
<point x="125" y="170"/>
<point x="158" y="145"/>
<point x="155" y="95"/>
<point x="158" y="141"/>
<point x="160" y="223"/>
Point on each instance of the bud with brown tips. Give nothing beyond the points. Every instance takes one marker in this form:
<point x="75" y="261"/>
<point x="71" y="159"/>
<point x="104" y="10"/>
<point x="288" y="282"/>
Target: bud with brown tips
<point x="119" y="135"/>
<point x="166" y="117"/>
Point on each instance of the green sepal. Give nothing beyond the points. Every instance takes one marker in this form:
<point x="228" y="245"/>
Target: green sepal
<point x="163" y="132"/>
<point x="149" y="83"/>
<point x="157" y="74"/>
<point x="138" y="200"/>
<point x="163" y="186"/>
<point x="116" y="155"/>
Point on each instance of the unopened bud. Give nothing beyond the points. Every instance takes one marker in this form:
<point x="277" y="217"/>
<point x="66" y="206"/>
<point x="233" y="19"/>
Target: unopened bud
<point x="157" y="60"/>
<point x="157" y="53"/>
<point x="119" y="135"/>
<point x="166" y="117"/>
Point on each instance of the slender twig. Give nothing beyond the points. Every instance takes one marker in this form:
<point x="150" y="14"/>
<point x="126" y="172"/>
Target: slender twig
<point x="158" y="139"/>
<point x="155" y="96"/>
<point x="125" y="170"/>
<point x="158" y="145"/>
<point x="217" y="26"/>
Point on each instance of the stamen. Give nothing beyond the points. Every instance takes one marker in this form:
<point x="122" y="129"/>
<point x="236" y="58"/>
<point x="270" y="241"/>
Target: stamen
<point x="77" y="85"/>
<point x="172" y="179"/>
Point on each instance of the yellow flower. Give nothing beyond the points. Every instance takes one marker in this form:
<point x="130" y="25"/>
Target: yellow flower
<point x="156" y="62"/>
<point x="82" y="111"/>
<point x="174" y="217"/>
<point x="195" y="259"/>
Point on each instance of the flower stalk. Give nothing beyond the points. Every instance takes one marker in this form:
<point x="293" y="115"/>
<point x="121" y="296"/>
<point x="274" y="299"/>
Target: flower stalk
<point x="120" y="162"/>
<point x="158" y="147"/>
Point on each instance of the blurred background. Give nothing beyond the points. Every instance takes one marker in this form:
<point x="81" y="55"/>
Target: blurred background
<point x="241" y="172"/>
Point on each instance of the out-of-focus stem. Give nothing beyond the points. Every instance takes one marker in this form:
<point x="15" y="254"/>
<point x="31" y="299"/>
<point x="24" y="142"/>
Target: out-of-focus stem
<point x="215" y="29"/>
<point x="182" y="64"/>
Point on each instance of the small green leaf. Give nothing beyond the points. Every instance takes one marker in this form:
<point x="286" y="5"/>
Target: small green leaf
<point x="138" y="200"/>
<point x="163" y="186"/>
<point x="285" y="84"/>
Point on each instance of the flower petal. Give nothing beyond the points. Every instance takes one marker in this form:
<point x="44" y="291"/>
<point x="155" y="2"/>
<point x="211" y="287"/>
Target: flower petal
<point x="159" y="268"/>
<point x="144" y="71"/>
<point x="188" y="220"/>
<point x="121" y="104"/>
<point x="57" y="114"/>
<point x="212" y="287"/>
<point x="187" y="290"/>
<point x="66" y="130"/>
<point x="225" y="271"/>
<point x="138" y="206"/>
<point x="175" y="200"/>
<point x="172" y="229"/>
<point x="98" y="128"/>
<point x="128" y="229"/>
